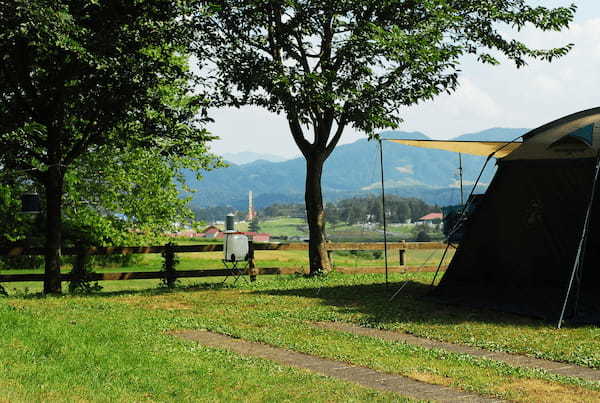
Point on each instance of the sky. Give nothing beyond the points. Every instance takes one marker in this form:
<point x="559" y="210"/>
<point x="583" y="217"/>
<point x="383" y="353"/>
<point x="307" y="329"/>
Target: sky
<point x="488" y="96"/>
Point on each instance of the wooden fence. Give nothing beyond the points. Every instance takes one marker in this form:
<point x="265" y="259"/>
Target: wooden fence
<point x="169" y="250"/>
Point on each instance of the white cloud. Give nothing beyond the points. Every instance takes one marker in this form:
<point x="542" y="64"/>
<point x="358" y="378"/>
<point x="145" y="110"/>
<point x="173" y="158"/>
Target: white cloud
<point x="456" y="184"/>
<point x="504" y="96"/>
<point x="408" y="169"/>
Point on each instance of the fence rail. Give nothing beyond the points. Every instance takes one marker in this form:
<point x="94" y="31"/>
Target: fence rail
<point x="218" y="247"/>
<point x="252" y="269"/>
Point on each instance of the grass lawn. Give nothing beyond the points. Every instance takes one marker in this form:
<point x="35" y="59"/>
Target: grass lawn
<point x="114" y="346"/>
<point x="288" y="258"/>
<point x="286" y="226"/>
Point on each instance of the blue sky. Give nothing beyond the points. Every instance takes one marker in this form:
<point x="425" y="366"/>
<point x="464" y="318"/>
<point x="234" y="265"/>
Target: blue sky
<point x="489" y="96"/>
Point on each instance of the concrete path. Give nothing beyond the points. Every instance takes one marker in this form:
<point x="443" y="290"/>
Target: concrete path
<point x="336" y="369"/>
<point x="511" y="359"/>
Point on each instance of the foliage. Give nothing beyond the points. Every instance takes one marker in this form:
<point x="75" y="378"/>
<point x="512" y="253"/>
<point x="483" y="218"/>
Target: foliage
<point x="363" y="209"/>
<point x="295" y="210"/>
<point x="81" y="282"/>
<point x="254" y="225"/>
<point x="130" y="197"/>
<point x="85" y="75"/>
<point x="422" y="236"/>
<point x="357" y="62"/>
<point x="216" y="213"/>
<point x="14" y="226"/>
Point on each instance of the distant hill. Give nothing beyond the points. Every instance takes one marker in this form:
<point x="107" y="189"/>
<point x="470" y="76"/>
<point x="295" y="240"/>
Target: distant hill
<point x="246" y="157"/>
<point x="353" y="169"/>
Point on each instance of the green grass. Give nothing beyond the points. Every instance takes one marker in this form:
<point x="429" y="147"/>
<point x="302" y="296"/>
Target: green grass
<point x="295" y="259"/>
<point x="114" y="345"/>
<point x="286" y="226"/>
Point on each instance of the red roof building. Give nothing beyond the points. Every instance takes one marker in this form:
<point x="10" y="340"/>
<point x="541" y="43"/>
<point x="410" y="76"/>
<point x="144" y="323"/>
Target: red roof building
<point x="431" y="217"/>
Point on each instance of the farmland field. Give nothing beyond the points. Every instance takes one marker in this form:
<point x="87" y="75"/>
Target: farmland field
<point x="296" y="227"/>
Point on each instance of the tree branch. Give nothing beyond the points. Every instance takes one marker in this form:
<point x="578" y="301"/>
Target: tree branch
<point x="336" y="137"/>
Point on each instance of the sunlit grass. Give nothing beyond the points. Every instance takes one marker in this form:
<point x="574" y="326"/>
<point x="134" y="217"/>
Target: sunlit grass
<point x="113" y="346"/>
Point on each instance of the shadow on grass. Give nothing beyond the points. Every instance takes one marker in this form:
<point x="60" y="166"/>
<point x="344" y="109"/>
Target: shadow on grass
<point x="127" y="292"/>
<point x="411" y="305"/>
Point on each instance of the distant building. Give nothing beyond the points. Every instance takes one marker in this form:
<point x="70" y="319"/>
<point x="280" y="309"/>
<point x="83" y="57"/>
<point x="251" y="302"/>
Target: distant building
<point x="213" y="232"/>
<point x="257" y="237"/>
<point x="188" y="233"/>
<point x="430" y="219"/>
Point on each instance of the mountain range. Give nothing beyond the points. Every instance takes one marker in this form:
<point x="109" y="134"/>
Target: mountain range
<point x="246" y="157"/>
<point x="353" y="170"/>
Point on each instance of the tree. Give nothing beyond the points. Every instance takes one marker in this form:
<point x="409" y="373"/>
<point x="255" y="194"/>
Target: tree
<point x="332" y="214"/>
<point x="80" y="75"/>
<point x="327" y="64"/>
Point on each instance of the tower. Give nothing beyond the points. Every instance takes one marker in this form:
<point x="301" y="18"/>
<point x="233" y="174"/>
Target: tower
<point x="250" y="216"/>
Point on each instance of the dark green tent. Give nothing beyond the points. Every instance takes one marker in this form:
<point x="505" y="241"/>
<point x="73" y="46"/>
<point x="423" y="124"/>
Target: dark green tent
<point x="532" y="244"/>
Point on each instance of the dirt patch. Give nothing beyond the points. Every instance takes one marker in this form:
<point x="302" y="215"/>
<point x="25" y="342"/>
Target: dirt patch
<point x="157" y="303"/>
<point x="170" y="306"/>
<point x="535" y="390"/>
<point x="431" y="378"/>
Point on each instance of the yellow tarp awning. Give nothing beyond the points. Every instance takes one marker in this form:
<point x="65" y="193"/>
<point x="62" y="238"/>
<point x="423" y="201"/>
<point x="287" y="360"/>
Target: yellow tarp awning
<point x="484" y="148"/>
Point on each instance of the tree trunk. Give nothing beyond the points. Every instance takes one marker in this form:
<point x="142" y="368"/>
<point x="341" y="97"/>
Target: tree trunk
<point x="54" y="193"/>
<point x="317" y="252"/>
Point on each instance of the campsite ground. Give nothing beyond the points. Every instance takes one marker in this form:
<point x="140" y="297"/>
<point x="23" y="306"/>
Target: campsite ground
<point x="115" y="345"/>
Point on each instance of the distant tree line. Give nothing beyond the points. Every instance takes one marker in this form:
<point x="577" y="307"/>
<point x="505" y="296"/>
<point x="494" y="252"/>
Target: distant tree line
<point x="350" y="211"/>
<point x="294" y="210"/>
<point x="217" y="213"/>
<point x="369" y="209"/>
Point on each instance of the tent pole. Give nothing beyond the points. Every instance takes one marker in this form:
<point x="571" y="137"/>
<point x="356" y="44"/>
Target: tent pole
<point x="582" y="242"/>
<point x="462" y="214"/>
<point x="460" y="173"/>
<point x="469" y="200"/>
<point x="383" y="212"/>
<point x="439" y="265"/>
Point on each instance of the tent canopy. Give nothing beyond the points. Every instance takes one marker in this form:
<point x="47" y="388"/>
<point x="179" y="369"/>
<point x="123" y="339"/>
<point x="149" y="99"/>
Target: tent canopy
<point x="499" y="149"/>
<point x="574" y="136"/>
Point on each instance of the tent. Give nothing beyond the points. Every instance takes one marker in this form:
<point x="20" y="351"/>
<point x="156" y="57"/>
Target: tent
<point x="532" y="244"/>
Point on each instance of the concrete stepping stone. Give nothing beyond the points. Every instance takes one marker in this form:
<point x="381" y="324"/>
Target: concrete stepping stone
<point x="558" y="368"/>
<point x="336" y="369"/>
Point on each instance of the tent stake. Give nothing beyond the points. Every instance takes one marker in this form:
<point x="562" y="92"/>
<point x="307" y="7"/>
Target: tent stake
<point x="582" y="242"/>
<point x="383" y="208"/>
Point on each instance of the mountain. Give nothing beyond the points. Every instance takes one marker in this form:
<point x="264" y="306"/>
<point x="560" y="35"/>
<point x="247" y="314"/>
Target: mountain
<point x="351" y="170"/>
<point x="246" y="157"/>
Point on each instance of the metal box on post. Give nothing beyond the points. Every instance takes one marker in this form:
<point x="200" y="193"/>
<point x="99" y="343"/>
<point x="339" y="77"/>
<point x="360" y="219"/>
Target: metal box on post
<point x="236" y="247"/>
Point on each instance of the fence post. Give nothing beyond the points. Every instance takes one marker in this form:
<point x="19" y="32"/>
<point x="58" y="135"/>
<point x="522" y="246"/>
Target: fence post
<point x="251" y="262"/>
<point x="169" y="265"/>
<point x="401" y="252"/>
